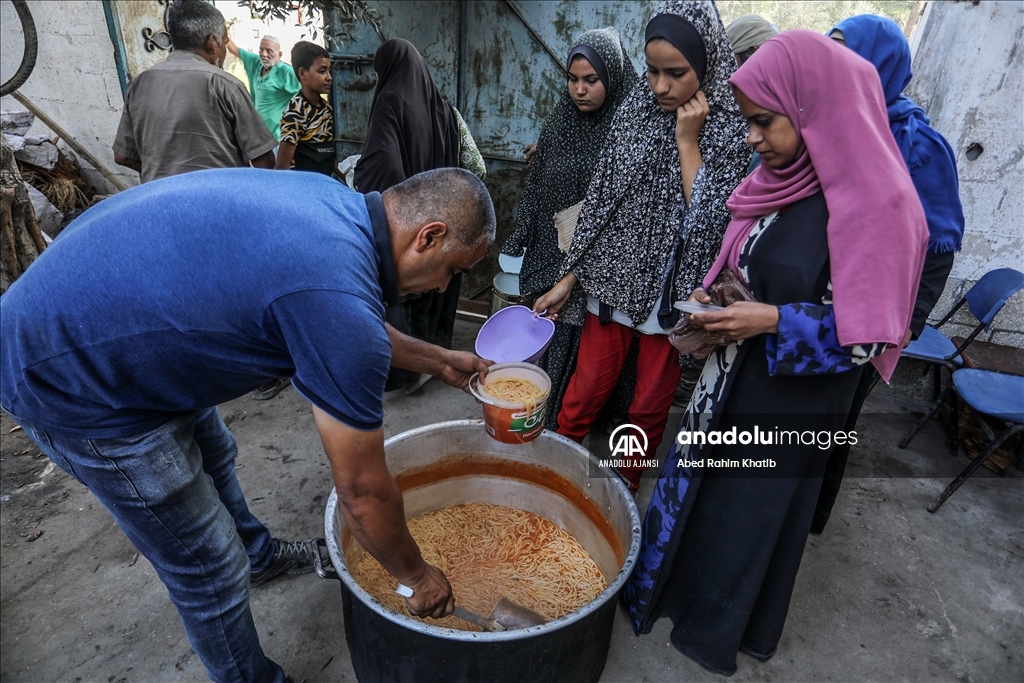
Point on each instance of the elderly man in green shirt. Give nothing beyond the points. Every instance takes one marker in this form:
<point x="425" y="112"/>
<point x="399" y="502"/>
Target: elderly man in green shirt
<point x="272" y="83"/>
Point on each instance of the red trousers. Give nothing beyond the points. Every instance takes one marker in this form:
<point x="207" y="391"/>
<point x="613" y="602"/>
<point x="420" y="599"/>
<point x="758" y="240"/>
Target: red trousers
<point x="602" y="352"/>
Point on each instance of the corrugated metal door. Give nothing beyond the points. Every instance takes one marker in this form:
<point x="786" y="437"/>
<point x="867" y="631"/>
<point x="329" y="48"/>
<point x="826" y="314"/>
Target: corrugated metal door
<point x="433" y="27"/>
<point x="513" y="62"/>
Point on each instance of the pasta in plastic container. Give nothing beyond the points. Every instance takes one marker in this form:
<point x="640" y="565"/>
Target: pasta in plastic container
<point x="515" y="397"/>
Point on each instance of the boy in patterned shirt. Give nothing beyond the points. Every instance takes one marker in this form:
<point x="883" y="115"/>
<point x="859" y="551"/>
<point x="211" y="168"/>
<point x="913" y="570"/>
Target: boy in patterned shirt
<point x="307" y="124"/>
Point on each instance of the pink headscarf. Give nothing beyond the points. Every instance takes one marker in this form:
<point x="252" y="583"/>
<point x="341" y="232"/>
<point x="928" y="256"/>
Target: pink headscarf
<point x="877" y="233"/>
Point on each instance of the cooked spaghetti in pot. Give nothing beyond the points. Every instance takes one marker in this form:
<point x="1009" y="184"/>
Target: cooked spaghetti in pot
<point x="489" y="552"/>
<point x="514" y="390"/>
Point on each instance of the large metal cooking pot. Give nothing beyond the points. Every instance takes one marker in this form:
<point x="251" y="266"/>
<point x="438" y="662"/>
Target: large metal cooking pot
<point x="457" y="462"/>
<point x="505" y="291"/>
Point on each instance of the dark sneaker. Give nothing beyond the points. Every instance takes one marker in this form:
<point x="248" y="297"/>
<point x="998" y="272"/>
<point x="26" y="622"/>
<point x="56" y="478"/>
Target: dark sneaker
<point x="271" y="388"/>
<point x="290" y="557"/>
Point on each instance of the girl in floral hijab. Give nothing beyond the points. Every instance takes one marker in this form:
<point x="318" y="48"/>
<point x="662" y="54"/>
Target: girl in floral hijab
<point x="652" y="221"/>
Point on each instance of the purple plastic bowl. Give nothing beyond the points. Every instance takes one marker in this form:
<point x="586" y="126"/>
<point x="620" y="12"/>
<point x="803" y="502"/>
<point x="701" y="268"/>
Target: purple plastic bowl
<point x="514" y="335"/>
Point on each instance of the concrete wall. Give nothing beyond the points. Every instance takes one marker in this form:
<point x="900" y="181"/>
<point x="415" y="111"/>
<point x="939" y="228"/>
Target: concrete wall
<point x="75" y="80"/>
<point x="969" y="77"/>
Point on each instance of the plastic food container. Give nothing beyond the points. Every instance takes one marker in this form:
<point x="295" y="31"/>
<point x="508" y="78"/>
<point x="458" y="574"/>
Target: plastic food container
<point x="514" y="335"/>
<point x="511" y="422"/>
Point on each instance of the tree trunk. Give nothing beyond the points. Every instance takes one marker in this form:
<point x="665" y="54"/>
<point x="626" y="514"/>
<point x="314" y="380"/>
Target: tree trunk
<point x="21" y="240"/>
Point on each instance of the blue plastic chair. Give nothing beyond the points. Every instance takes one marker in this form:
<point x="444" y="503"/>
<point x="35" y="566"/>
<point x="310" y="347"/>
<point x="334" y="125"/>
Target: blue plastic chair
<point x="990" y="395"/>
<point x="985" y="299"/>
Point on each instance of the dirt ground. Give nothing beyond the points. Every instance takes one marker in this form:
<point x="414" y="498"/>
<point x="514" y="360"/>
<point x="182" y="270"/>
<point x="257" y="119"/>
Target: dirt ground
<point x="888" y="592"/>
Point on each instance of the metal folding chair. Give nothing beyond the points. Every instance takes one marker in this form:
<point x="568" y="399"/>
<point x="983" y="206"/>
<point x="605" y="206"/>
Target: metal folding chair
<point x="985" y="299"/>
<point x="990" y="395"/>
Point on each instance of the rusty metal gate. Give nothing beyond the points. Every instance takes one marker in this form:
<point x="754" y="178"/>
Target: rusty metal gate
<point x="137" y="31"/>
<point x="500" y="62"/>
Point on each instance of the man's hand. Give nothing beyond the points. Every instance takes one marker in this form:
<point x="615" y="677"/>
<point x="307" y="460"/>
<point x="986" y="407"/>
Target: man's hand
<point x="371" y="504"/>
<point x="459" y="366"/>
<point x="453" y="367"/>
<point x="432" y="594"/>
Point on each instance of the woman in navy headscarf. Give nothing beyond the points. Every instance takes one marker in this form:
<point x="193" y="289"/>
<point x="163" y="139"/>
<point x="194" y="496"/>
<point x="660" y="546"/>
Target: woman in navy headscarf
<point x="928" y="155"/>
<point x="932" y="166"/>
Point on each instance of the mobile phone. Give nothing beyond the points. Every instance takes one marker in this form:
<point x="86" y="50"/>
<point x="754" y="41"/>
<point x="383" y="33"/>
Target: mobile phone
<point x="696" y="307"/>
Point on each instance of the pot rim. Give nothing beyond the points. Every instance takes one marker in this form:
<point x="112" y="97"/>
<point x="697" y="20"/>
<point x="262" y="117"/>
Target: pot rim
<point x="609" y="593"/>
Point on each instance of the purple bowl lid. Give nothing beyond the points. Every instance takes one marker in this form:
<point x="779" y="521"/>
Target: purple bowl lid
<point x="514" y="335"/>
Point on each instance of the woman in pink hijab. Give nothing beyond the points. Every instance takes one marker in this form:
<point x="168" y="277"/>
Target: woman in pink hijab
<point x="830" y="237"/>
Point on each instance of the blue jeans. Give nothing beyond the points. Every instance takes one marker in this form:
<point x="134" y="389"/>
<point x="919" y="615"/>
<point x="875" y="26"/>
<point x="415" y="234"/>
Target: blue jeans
<point x="174" y="493"/>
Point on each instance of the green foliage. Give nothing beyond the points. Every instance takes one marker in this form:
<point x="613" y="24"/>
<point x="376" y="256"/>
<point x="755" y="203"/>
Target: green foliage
<point x="817" y="15"/>
<point x="345" y="14"/>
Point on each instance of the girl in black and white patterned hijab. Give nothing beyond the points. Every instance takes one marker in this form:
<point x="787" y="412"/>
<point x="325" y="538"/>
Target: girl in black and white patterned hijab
<point x="560" y="172"/>
<point x="651" y="226"/>
<point x="567" y="153"/>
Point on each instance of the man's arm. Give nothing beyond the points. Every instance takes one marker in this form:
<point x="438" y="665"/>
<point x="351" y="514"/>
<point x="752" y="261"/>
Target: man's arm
<point x="126" y="152"/>
<point x="452" y="367"/>
<point x="372" y="506"/>
<point x="133" y="164"/>
<point x="250" y="61"/>
<point x="263" y="160"/>
<point x="285" y="154"/>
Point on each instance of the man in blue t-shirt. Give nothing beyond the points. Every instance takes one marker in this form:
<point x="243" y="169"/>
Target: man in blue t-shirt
<point x="158" y="304"/>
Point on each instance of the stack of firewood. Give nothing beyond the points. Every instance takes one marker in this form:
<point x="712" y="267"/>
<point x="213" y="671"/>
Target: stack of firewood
<point x="62" y="184"/>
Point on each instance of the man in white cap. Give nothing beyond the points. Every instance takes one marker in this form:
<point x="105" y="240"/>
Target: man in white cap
<point x="272" y="83"/>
